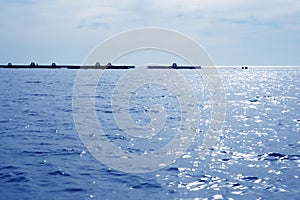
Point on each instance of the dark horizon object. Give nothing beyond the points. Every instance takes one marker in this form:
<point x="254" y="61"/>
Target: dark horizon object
<point x="174" y="66"/>
<point x="34" y="65"/>
<point x="97" y="64"/>
<point x="109" y="65"/>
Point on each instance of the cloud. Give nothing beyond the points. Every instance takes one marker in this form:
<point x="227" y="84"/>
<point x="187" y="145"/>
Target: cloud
<point x="65" y="26"/>
<point x="92" y="14"/>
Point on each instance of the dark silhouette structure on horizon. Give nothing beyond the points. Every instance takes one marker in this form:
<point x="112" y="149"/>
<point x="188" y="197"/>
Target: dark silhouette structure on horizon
<point x="109" y="65"/>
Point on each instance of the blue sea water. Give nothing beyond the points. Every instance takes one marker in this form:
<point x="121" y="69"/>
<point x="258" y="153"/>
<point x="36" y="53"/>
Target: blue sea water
<point x="258" y="155"/>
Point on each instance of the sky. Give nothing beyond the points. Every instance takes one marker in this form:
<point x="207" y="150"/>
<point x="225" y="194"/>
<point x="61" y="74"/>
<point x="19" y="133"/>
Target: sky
<point x="233" y="32"/>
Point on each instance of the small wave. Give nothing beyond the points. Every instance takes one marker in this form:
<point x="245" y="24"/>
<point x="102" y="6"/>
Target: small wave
<point x="73" y="189"/>
<point x="236" y="185"/>
<point x="293" y="157"/>
<point x="276" y="155"/>
<point x="40" y="95"/>
<point x="225" y="159"/>
<point x="147" y="186"/>
<point x="13" y="177"/>
<point x="57" y="152"/>
<point x="66" y="152"/>
<point x="115" y="137"/>
<point x="136" y="151"/>
<point x="4" y="121"/>
<point x="273" y="156"/>
<point x="33" y="82"/>
<point x="250" y="178"/>
<point x="33" y="153"/>
<point x="17" y="179"/>
<point x="4" y="176"/>
<point x="10" y="167"/>
<point x="20" y="100"/>
<point x="59" y="173"/>
<point x="115" y="172"/>
<point x="172" y="169"/>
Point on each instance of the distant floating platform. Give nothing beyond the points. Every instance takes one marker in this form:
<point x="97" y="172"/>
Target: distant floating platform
<point x="174" y="67"/>
<point x="97" y="66"/>
<point x="65" y="66"/>
<point x="101" y="67"/>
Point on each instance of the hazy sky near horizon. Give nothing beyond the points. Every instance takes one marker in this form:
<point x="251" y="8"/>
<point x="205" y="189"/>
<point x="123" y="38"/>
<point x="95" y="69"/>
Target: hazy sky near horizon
<point x="234" y="32"/>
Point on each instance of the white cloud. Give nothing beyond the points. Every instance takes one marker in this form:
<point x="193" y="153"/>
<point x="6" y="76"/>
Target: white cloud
<point x="83" y="23"/>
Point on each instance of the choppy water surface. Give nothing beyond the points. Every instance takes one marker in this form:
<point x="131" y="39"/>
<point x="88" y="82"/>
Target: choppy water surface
<point x="42" y="157"/>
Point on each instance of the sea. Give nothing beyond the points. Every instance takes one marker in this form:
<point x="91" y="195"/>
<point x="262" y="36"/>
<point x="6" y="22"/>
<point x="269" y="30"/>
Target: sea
<point x="257" y="154"/>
